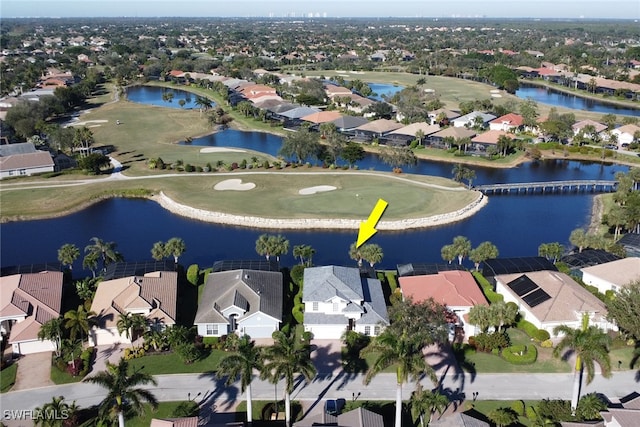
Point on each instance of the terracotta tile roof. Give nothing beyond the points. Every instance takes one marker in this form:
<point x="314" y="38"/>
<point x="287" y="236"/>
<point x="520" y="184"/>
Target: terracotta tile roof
<point x="380" y="126"/>
<point x="413" y="128"/>
<point x="452" y="288"/>
<point x="510" y="119"/>
<point x="45" y="287"/>
<point x="155" y="293"/>
<point x="322" y="117"/>
<point x="630" y="129"/>
<point x="599" y="127"/>
<point x="491" y="136"/>
<point x="567" y="297"/>
<point x="175" y="422"/>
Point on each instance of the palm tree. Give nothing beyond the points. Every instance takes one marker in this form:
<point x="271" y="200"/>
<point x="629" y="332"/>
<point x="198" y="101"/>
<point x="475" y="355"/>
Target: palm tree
<point x="287" y="356"/>
<point x="427" y="401"/>
<point x="371" y="253"/>
<point x="52" y="331"/>
<point x="56" y="413"/>
<point x="67" y="254"/>
<point x="158" y="251"/>
<point x="304" y="252"/>
<point x="484" y="251"/>
<point x="503" y="417"/>
<point x="401" y="350"/>
<point x="448" y="253"/>
<point x="122" y="389"/>
<point x="269" y="245"/>
<point x="590" y="345"/>
<point x="130" y="323"/>
<point x="480" y="316"/>
<point x="103" y="250"/>
<point x="241" y="365"/>
<point x="176" y="247"/>
<point x="355" y="253"/>
<point x="462" y="247"/>
<point x="79" y="321"/>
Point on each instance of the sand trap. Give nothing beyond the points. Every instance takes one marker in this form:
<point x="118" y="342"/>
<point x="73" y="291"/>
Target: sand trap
<point x="494" y="91"/>
<point x="88" y="122"/>
<point x="235" y="185"/>
<point x="316" y="189"/>
<point x="496" y="95"/>
<point x="221" y="150"/>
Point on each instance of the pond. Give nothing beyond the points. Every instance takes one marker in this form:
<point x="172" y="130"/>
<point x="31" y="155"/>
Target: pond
<point x="561" y="99"/>
<point x="162" y="97"/>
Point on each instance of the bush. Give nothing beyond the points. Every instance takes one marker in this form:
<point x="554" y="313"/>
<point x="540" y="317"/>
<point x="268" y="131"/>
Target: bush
<point x="530" y="413"/>
<point x="297" y="274"/>
<point x="211" y="341"/>
<point x="489" y="342"/>
<point x="518" y="407"/>
<point x="554" y="410"/>
<point x="530" y="329"/>
<point x="546" y="344"/>
<point x="193" y="274"/>
<point x="298" y="313"/>
<point x="542" y="335"/>
<point x="188" y="352"/>
<point x="188" y="168"/>
<point x="520" y="354"/>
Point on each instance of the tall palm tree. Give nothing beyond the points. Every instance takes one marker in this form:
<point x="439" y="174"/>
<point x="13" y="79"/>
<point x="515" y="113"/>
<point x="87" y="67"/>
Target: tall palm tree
<point x="462" y="247"/>
<point x="103" y="250"/>
<point x="67" y="254"/>
<point x="427" y="402"/>
<point x="372" y="253"/>
<point x="130" y="323"/>
<point x="79" y="322"/>
<point x="176" y="247"/>
<point x="355" y="253"/>
<point x="122" y="389"/>
<point x="287" y="356"/>
<point x="158" y="251"/>
<point x="56" y="413"/>
<point x="405" y="352"/>
<point x="52" y="331"/>
<point x="590" y="345"/>
<point x="305" y="253"/>
<point x="241" y="365"/>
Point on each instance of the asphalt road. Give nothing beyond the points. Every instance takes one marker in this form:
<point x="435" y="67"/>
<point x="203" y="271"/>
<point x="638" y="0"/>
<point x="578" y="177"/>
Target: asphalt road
<point x="339" y="385"/>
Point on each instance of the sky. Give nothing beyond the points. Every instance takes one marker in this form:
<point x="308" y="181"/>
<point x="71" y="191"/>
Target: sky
<point x="590" y="9"/>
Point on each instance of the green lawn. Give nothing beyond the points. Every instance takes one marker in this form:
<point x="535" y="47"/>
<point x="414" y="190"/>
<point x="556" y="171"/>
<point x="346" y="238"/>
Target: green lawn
<point x="481" y="408"/>
<point x="164" y="410"/>
<point x="8" y="377"/>
<point x="58" y="377"/>
<point x="172" y="364"/>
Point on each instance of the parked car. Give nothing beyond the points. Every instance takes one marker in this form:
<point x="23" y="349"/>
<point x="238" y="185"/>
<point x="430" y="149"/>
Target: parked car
<point x="331" y="407"/>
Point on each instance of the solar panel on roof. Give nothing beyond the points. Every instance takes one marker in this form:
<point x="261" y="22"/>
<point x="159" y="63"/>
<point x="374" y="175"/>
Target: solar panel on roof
<point x="522" y="285"/>
<point x="536" y="297"/>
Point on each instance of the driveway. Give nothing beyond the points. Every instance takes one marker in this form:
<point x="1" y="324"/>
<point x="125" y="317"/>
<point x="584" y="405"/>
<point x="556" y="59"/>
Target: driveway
<point x="34" y="371"/>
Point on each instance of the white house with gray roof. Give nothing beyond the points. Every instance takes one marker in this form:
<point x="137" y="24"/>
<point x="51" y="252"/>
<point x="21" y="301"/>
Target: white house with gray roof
<point x="337" y="299"/>
<point x="245" y="302"/>
<point x="469" y="120"/>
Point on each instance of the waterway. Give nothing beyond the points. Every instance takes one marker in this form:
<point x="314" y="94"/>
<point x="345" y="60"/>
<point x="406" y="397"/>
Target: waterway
<point x="560" y="99"/>
<point x="152" y="95"/>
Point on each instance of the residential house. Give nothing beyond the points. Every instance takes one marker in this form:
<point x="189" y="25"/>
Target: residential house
<point x="597" y="128"/>
<point x="482" y="142"/>
<point x="551" y="298"/>
<point x="334" y="91"/>
<point x="24" y="160"/>
<point x="359" y="417"/>
<point x="612" y="276"/>
<point x="337" y="299"/>
<point x="625" y="414"/>
<point x="347" y="124"/>
<point x="508" y="123"/>
<point x="175" y="422"/>
<point x="473" y="119"/>
<point x="443" y="114"/>
<point x="631" y="244"/>
<point x="153" y="295"/>
<point x="406" y="134"/>
<point x="456" y="289"/>
<point x="242" y="301"/>
<point x="458" y="419"/>
<point x="626" y="134"/>
<point x="440" y="138"/>
<point x="321" y="117"/>
<point x="27" y="302"/>
<point x="376" y="129"/>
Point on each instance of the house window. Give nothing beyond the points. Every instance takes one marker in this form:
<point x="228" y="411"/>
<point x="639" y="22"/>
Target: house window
<point x="23" y="172"/>
<point x="367" y="330"/>
<point x="335" y="306"/>
<point x="315" y="306"/>
<point x="212" y="329"/>
<point x="376" y="330"/>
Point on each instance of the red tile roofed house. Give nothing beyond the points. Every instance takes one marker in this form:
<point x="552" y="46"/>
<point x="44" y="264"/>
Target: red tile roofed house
<point x="457" y="290"/>
<point x="176" y="73"/>
<point x="507" y="122"/>
<point x="27" y="302"/>
<point x="322" y="117"/>
<point x="153" y="295"/>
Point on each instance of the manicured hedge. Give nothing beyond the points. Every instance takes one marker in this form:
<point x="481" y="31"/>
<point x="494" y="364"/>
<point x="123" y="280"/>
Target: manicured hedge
<point x="520" y="354"/>
<point x="531" y="330"/>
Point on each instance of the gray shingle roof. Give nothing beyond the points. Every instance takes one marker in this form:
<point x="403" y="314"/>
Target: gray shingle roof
<point x="253" y="290"/>
<point x="324" y="283"/>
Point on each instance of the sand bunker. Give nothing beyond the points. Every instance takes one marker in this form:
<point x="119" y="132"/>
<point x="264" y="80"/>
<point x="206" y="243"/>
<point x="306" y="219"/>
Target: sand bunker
<point x="316" y="189"/>
<point x="88" y="122"/>
<point x="496" y="95"/>
<point x="235" y="185"/>
<point x="221" y="150"/>
<point x="494" y="91"/>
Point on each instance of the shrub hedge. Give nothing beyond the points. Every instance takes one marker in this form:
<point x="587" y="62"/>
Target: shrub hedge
<point x="520" y="354"/>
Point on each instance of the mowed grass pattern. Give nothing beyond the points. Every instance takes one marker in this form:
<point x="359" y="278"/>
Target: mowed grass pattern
<point x="277" y="196"/>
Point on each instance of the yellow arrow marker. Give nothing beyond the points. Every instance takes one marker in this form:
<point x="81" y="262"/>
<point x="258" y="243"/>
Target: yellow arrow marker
<point x="368" y="227"/>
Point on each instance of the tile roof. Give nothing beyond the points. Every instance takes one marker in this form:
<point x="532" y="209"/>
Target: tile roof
<point x="35" y="297"/>
<point x="567" y="297"/>
<point x="455" y="132"/>
<point x="458" y="419"/>
<point x="413" y="128"/>
<point x="156" y="293"/>
<point x="253" y="290"/>
<point x="322" y="116"/>
<point x="511" y="119"/>
<point x="20" y="148"/>
<point x="349" y="122"/>
<point x="630" y="129"/>
<point x="380" y="126"/>
<point x="491" y="136"/>
<point x="26" y="161"/>
<point x="452" y="288"/>
<point x="599" y="127"/>
<point x="621" y="272"/>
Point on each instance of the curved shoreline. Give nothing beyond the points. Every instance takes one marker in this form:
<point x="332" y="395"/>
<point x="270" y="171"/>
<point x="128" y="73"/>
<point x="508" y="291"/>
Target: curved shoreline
<point x="316" y="223"/>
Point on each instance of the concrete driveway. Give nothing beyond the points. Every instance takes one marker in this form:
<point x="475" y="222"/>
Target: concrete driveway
<point x="34" y="371"/>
